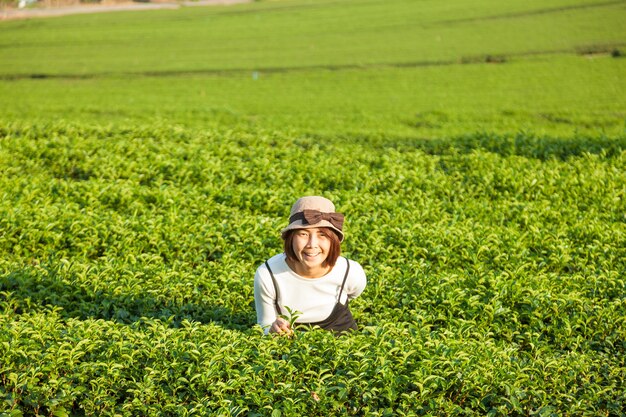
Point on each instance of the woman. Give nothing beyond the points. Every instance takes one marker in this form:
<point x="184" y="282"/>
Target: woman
<point x="310" y="279"/>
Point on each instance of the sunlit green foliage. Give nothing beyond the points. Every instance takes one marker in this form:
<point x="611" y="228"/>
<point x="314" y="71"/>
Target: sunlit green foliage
<point x="148" y="162"/>
<point x="496" y="274"/>
<point x="404" y="68"/>
<point x="308" y="34"/>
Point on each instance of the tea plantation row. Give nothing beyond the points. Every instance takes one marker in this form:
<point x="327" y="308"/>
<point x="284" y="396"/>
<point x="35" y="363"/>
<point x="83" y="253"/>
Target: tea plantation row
<point x="495" y="265"/>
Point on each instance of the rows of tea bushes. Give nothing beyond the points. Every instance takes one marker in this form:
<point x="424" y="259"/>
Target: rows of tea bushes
<point x="396" y="67"/>
<point x="496" y="270"/>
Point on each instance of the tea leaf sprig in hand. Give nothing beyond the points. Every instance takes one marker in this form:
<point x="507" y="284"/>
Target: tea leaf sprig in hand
<point x="291" y="317"/>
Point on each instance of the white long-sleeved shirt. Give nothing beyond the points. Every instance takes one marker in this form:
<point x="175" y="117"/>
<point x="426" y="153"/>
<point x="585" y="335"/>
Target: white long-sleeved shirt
<point x="313" y="298"/>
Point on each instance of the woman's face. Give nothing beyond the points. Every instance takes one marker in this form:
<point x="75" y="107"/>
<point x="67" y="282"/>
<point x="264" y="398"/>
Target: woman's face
<point x="311" y="247"/>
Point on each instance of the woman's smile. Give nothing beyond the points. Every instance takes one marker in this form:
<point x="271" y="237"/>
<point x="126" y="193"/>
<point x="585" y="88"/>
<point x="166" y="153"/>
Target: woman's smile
<point x="311" y="247"/>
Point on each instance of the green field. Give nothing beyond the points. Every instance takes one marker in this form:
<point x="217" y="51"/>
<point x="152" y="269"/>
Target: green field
<point x="356" y="68"/>
<point x="148" y="161"/>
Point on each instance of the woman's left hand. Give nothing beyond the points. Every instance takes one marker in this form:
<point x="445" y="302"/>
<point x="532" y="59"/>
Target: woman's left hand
<point x="282" y="327"/>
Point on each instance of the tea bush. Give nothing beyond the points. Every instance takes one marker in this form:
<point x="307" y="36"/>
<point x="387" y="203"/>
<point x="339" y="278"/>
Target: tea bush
<point x="359" y="68"/>
<point x="495" y="265"/>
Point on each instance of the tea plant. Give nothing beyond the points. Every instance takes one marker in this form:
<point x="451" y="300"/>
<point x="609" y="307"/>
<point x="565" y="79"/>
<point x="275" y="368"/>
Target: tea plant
<point x="480" y="162"/>
<point x="326" y="68"/>
<point x="496" y="274"/>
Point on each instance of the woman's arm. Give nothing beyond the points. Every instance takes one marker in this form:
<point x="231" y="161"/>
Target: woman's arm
<point x="264" y="296"/>
<point x="356" y="280"/>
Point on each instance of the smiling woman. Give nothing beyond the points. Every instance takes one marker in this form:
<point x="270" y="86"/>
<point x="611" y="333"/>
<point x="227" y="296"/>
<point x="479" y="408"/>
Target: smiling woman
<point x="310" y="280"/>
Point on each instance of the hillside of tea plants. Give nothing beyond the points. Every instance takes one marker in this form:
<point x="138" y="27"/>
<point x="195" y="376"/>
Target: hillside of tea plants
<point x="478" y="152"/>
<point x="496" y="275"/>
<point x="360" y="68"/>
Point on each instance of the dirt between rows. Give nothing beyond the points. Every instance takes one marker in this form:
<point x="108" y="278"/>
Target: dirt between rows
<point x="29" y="13"/>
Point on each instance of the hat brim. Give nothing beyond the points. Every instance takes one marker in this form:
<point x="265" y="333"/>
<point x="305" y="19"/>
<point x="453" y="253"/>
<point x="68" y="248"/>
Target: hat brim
<point x="299" y="224"/>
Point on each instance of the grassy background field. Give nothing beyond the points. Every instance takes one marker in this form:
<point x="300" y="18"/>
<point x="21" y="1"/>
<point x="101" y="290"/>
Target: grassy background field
<point x="148" y="161"/>
<point x="401" y="68"/>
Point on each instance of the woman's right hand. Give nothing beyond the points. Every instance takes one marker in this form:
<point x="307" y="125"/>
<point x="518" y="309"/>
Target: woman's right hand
<point x="282" y="327"/>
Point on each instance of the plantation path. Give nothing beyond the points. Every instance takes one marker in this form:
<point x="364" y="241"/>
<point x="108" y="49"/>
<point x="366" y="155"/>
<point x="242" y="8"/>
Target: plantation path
<point x="10" y="14"/>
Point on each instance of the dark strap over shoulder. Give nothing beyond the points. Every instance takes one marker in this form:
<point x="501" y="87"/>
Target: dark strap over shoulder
<point x="340" y="319"/>
<point x="345" y="278"/>
<point x="276" y="306"/>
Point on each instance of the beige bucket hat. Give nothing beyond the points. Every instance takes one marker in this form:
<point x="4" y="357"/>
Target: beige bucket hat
<point x="314" y="211"/>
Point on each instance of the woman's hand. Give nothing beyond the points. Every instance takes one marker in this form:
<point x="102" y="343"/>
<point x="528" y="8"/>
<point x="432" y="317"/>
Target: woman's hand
<point x="282" y="327"/>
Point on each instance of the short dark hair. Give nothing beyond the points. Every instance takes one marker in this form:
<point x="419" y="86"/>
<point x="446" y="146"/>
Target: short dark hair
<point x="333" y="253"/>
